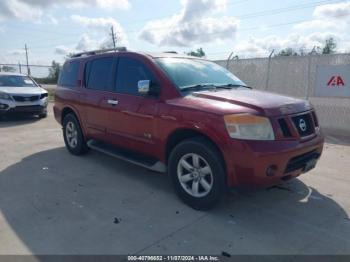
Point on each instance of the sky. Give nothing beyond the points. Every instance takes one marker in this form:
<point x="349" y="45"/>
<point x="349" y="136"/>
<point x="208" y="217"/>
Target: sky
<point x="248" y="28"/>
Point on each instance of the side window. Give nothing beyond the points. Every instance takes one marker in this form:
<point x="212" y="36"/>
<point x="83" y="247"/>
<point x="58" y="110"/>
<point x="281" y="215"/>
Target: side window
<point x="69" y="74"/>
<point x="130" y="71"/>
<point x="99" y="74"/>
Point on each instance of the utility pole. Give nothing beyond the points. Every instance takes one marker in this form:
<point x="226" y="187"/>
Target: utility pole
<point x="28" y="69"/>
<point x="114" y="39"/>
<point x="20" y="67"/>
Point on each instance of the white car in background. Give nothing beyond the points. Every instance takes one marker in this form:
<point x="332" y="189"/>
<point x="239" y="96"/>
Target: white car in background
<point x="21" y="94"/>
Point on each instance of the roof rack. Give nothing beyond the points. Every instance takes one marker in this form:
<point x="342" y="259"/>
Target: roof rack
<point x="101" y="51"/>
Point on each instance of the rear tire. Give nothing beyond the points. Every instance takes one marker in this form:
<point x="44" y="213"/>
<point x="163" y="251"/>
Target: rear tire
<point x="73" y="135"/>
<point x="197" y="172"/>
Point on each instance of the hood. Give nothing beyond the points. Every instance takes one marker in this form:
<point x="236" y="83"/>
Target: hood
<point x="266" y="103"/>
<point x="22" y="90"/>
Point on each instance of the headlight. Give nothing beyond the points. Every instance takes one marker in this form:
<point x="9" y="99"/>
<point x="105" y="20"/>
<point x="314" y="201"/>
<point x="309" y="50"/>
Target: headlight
<point x="250" y="127"/>
<point x="5" y="96"/>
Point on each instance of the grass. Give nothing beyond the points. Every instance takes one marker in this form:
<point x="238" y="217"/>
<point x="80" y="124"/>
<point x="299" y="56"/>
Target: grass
<point x="51" y="93"/>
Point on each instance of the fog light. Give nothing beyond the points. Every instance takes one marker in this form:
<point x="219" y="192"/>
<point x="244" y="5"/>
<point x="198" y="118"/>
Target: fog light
<point x="271" y="170"/>
<point x="3" y="106"/>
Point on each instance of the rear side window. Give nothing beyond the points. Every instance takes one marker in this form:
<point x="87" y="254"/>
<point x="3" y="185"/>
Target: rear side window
<point x="130" y="71"/>
<point x="69" y="74"/>
<point x="99" y="74"/>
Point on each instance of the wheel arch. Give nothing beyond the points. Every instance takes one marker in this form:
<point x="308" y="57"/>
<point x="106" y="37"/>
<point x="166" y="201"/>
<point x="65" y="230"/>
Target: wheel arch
<point x="70" y="110"/>
<point x="186" y="133"/>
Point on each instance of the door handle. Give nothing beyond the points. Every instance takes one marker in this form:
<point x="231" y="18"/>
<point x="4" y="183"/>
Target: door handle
<point x="112" y="102"/>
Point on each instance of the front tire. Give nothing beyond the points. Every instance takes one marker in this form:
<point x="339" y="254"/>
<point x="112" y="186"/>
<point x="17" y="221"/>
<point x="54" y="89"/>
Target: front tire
<point x="73" y="135"/>
<point x="197" y="172"/>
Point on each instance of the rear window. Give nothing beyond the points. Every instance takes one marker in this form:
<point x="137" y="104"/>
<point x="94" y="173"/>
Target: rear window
<point x="99" y="74"/>
<point x="69" y="74"/>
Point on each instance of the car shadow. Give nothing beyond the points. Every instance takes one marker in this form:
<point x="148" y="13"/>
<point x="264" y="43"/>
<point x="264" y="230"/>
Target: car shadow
<point x="17" y="120"/>
<point x="56" y="203"/>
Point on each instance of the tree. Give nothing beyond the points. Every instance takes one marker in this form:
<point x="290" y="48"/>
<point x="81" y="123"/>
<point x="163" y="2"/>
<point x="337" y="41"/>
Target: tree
<point x="287" y="52"/>
<point x="329" y="47"/>
<point x="198" y="53"/>
<point x="8" y="69"/>
<point x="54" y="71"/>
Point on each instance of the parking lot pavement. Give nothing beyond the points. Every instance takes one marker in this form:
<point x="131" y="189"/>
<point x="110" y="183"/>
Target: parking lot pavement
<point x="54" y="203"/>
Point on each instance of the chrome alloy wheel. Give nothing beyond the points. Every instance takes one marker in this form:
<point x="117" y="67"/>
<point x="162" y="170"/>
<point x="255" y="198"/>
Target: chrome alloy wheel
<point x="195" y="175"/>
<point x="71" y="134"/>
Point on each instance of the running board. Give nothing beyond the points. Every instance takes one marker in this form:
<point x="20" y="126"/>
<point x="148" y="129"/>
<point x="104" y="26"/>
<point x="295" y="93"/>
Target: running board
<point x="131" y="157"/>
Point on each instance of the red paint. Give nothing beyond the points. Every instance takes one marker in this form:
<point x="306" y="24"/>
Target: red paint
<point x="126" y="124"/>
<point x="336" y="81"/>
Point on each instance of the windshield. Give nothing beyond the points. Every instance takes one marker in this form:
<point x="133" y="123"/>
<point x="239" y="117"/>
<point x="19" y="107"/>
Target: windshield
<point x="186" y="72"/>
<point x="16" y="81"/>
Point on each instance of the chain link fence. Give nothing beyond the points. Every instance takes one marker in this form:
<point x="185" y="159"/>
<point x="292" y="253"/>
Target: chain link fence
<point x="296" y="76"/>
<point x="36" y="71"/>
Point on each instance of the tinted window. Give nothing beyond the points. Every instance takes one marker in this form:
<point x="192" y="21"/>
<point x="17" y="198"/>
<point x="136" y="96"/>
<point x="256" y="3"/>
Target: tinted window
<point x="99" y="74"/>
<point x="69" y="74"/>
<point x="130" y="71"/>
<point x="187" y="72"/>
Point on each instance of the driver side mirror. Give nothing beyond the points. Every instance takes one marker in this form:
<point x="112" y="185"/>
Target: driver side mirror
<point x="144" y="87"/>
<point x="147" y="88"/>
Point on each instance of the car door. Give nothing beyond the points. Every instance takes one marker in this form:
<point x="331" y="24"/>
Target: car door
<point x="133" y="118"/>
<point x="98" y="85"/>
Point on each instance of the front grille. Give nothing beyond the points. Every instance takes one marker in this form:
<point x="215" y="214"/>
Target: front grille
<point x="284" y="127"/>
<point x="300" y="162"/>
<point x="26" y="98"/>
<point x="304" y="124"/>
<point x="24" y="109"/>
<point x="315" y="118"/>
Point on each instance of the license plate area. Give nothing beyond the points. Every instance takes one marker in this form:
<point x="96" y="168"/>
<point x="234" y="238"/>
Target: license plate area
<point x="304" y="162"/>
<point x="310" y="165"/>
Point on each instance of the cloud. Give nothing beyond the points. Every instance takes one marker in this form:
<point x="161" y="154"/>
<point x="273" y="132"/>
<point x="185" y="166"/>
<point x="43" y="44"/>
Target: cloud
<point x="32" y="10"/>
<point x="192" y="25"/>
<point x="331" y="20"/>
<point x="262" y="47"/>
<point x="63" y="50"/>
<point x="338" y="10"/>
<point x="16" y="52"/>
<point x="18" y="9"/>
<point x="98" y="25"/>
<point x="98" y="36"/>
<point x="52" y="19"/>
<point x="334" y="17"/>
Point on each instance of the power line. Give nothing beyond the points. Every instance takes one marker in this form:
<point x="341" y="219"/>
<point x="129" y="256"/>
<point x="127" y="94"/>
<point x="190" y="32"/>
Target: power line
<point x="242" y="17"/>
<point x="246" y="16"/>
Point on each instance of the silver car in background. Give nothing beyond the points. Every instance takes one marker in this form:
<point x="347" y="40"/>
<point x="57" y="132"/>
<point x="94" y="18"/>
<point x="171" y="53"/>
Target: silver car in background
<point x="21" y="94"/>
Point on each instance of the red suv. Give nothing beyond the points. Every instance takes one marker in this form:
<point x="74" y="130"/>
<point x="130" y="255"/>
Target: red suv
<point x="185" y="116"/>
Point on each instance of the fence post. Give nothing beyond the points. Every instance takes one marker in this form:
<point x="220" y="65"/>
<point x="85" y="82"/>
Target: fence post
<point x="228" y="60"/>
<point x="268" y="70"/>
<point x="307" y="88"/>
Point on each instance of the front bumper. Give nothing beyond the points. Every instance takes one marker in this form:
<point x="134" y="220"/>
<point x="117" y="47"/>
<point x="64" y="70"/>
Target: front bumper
<point x="267" y="163"/>
<point x="9" y="106"/>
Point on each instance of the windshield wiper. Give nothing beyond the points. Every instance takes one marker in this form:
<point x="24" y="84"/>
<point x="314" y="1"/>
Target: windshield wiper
<point x="230" y="86"/>
<point x="198" y="87"/>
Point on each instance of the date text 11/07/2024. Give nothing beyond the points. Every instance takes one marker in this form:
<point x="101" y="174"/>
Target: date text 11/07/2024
<point x="174" y="258"/>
